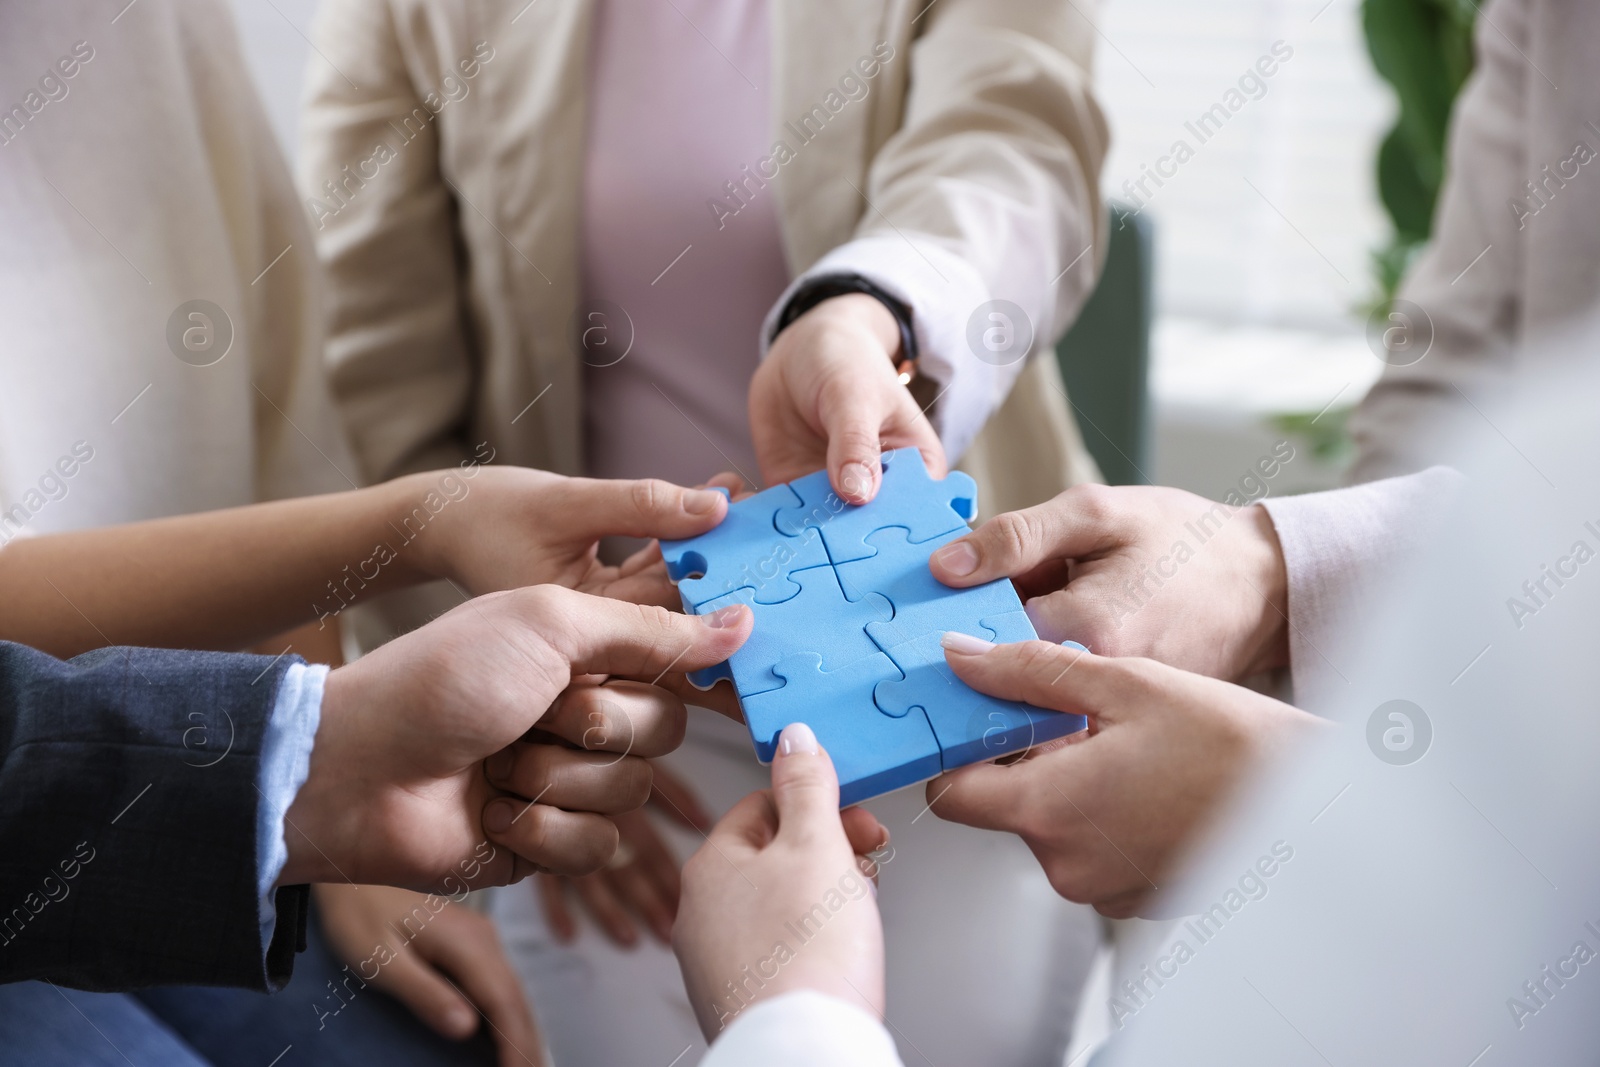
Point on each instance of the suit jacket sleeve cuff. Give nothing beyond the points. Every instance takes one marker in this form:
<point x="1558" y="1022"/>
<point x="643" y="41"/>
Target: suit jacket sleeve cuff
<point x="804" y="1029"/>
<point x="944" y="293"/>
<point x="151" y="876"/>
<point x="285" y="761"/>
<point x="1338" y="548"/>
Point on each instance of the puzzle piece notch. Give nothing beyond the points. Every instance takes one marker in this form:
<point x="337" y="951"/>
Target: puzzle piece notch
<point x="744" y="551"/>
<point x="873" y="753"/>
<point x="818" y="619"/>
<point x="907" y="497"/>
<point x="922" y="604"/>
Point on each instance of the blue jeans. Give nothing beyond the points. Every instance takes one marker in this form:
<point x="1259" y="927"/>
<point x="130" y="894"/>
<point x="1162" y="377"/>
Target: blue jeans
<point x="42" y="1025"/>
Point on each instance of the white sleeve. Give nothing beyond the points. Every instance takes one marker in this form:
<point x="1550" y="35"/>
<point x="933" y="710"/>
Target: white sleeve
<point x="1338" y="547"/>
<point x="803" y="1029"/>
<point x="940" y="291"/>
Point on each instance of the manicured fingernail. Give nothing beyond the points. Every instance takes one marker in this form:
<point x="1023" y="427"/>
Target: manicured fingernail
<point x="498" y="816"/>
<point x="499" y="765"/>
<point x="725" y="618"/>
<point x="855" y="479"/>
<point x="965" y="644"/>
<point x="958" y="557"/>
<point x="700" y="501"/>
<point x="797" y="738"/>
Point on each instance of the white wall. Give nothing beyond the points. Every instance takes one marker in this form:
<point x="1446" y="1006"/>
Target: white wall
<point x="1307" y="146"/>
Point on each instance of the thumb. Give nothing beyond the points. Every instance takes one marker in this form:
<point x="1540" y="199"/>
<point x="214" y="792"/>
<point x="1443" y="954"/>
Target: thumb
<point x="644" y="507"/>
<point x="805" y="787"/>
<point x="597" y="635"/>
<point x="1073" y="525"/>
<point x="853" y="424"/>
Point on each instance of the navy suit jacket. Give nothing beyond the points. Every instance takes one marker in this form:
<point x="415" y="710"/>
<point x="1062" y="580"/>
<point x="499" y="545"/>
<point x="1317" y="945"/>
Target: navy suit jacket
<point x="128" y="797"/>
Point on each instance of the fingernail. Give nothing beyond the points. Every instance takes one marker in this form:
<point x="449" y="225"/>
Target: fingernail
<point x="855" y="479"/>
<point x="725" y="618"/>
<point x="965" y="644"/>
<point x="498" y="766"/>
<point x="797" y="738"/>
<point x="700" y="501"/>
<point x="958" y="557"/>
<point x="498" y="816"/>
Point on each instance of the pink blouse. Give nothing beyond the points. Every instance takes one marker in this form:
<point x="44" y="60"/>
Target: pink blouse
<point x="673" y="298"/>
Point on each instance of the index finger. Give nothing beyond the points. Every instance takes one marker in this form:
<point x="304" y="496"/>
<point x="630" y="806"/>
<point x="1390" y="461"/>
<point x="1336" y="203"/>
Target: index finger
<point x="592" y="508"/>
<point x="1048" y="676"/>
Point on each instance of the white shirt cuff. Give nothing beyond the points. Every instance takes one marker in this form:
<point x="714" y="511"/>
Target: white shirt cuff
<point x="285" y="762"/>
<point x="1339" y="546"/>
<point x="804" y="1029"/>
<point x="943" y="292"/>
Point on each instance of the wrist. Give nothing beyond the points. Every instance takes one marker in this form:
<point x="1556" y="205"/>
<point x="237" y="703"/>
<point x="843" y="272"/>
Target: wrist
<point x="415" y="530"/>
<point x="857" y="314"/>
<point x="321" y="822"/>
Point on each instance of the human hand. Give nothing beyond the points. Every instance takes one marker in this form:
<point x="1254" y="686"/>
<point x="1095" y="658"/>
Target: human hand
<point x="776" y="900"/>
<point x="441" y="960"/>
<point x="417" y="769"/>
<point x="514" y="526"/>
<point x="642" y="880"/>
<point x="828" y="395"/>
<point x="1108" y="812"/>
<point x="1140" y="571"/>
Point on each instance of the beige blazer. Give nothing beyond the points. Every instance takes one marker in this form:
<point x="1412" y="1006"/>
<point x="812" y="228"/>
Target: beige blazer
<point x="453" y="245"/>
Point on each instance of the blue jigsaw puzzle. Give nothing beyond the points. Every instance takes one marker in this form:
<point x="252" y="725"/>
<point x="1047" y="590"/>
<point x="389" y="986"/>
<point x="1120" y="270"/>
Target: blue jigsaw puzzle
<point x="847" y="626"/>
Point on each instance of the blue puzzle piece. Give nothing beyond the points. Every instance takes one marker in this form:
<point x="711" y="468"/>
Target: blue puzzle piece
<point x="922" y="604"/>
<point x="744" y="551"/>
<point x="1014" y="626"/>
<point x="817" y="619"/>
<point x="873" y="753"/>
<point x="907" y="497"/>
<point x="847" y="626"/>
<point x="970" y="726"/>
<point x="706" y="677"/>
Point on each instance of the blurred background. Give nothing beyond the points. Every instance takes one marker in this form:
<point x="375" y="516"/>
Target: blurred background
<point x="1271" y="244"/>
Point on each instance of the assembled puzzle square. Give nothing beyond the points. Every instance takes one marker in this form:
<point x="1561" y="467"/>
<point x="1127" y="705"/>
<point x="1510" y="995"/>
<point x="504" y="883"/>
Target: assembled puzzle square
<point x="848" y="620"/>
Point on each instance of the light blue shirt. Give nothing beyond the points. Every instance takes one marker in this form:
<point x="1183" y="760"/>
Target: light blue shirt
<point x="285" y="762"/>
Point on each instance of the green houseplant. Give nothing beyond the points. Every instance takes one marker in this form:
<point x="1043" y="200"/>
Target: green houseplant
<point x="1423" y="49"/>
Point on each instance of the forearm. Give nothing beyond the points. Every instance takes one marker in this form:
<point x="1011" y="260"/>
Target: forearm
<point x="148" y="876"/>
<point x="221" y="580"/>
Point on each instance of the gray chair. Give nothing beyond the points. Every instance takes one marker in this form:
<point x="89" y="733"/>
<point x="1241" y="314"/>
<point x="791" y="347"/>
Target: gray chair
<point x="1105" y="356"/>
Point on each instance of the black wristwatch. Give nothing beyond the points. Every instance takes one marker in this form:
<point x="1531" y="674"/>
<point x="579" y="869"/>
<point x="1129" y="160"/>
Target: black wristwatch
<point x="817" y="290"/>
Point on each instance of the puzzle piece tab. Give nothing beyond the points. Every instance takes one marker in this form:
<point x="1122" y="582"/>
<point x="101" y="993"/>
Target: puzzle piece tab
<point x="873" y="753"/>
<point x="922" y="604"/>
<point x="848" y="620"/>
<point x="818" y="619"/>
<point x="907" y="497"/>
<point x="744" y="551"/>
